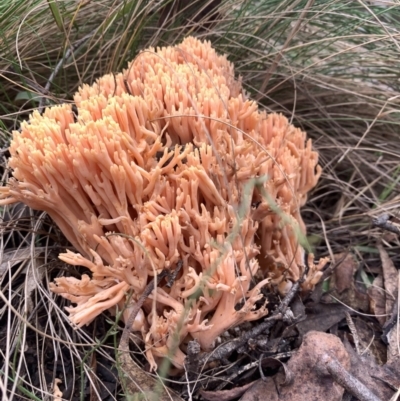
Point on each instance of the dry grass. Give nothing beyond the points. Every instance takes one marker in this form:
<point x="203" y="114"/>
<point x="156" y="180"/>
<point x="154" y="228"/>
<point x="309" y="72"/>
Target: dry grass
<point x="330" y="66"/>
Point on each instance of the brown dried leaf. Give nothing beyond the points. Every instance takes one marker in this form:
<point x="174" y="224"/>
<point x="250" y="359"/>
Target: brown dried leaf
<point x="390" y="373"/>
<point x="393" y="337"/>
<point x="342" y="277"/>
<point x="225" y="395"/>
<point x="307" y="384"/>
<point x="94" y="385"/>
<point x="262" y="390"/>
<point x="377" y="299"/>
<point x="12" y="257"/>
<point x="342" y="285"/>
<point x="369" y="340"/>
<point x="321" y="317"/>
<point x="393" y="352"/>
<point x="372" y="375"/>
<point x="389" y="279"/>
<point x="137" y="383"/>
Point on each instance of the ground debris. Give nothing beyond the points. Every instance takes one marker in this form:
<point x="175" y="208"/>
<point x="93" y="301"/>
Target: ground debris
<point x="384" y="301"/>
<point x="342" y="285"/>
<point x="381" y="379"/>
<point x="389" y="278"/>
<point x="137" y="383"/>
<point x="225" y="395"/>
<point x="319" y="371"/>
<point x="377" y="299"/>
<point x="383" y="221"/>
<point x="321" y="317"/>
<point x="342" y="277"/>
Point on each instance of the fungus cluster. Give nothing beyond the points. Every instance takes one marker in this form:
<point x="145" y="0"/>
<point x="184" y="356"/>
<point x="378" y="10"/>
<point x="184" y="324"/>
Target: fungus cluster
<point x="169" y="164"/>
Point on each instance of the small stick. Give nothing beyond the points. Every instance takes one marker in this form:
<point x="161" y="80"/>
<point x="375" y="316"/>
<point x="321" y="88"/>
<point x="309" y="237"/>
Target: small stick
<point x="127" y="87"/>
<point x="172" y="276"/>
<point x="79" y="43"/>
<point x="353" y="331"/>
<point x="384" y="223"/>
<point x="346" y="380"/>
<point x="137" y="383"/>
<point x="147" y="291"/>
<point x="391" y="322"/>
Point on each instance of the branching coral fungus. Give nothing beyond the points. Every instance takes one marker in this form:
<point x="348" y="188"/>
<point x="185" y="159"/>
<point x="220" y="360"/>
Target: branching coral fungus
<point x="168" y="163"/>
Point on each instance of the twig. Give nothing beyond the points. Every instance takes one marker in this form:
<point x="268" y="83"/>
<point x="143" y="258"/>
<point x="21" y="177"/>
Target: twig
<point x="384" y="223"/>
<point x="346" y="380"/>
<point x="147" y="291"/>
<point x="191" y="369"/>
<point x="227" y="348"/>
<point x="135" y="380"/>
<point x="259" y="343"/>
<point x="260" y="369"/>
<point x="57" y="68"/>
<point x="391" y="322"/>
<point x="251" y="365"/>
<point x="353" y="331"/>
<point x="173" y="274"/>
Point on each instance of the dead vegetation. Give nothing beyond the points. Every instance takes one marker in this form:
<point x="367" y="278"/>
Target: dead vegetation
<point x="330" y="67"/>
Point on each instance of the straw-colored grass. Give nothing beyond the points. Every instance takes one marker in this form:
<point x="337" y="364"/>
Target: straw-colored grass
<point x="330" y="66"/>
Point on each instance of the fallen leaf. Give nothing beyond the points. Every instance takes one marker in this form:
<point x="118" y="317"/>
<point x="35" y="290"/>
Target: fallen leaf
<point x="298" y="309"/>
<point x="370" y="343"/>
<point x="225" y="395"/>
<point x="307" y="383"/>
<point x="390" y="373"/>
<point x="372" y="375"/>
<point x="12" y="257"/>
<point x="137" y="383"/>
<point x="389" y="279"/>
<point x="393" y="337"/>
<point x="377" y="299"/>
<point x="342" y="277"/>
<point x="31" y="264"/>
<point x="393" y="342"/>
<point x="321" y="317"/>
<point x="342" y="285"/>
<point x="262" y="390"/>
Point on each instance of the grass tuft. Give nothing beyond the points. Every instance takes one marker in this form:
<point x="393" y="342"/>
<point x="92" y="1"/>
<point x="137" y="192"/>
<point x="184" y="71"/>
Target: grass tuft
<point x="331" y="66"/>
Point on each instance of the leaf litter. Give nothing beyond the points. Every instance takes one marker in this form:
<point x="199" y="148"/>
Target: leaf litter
<point x="364" y="372"/>
<point x="291" y="357"/>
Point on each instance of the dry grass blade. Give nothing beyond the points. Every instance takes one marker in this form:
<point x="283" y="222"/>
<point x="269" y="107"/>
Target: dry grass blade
<point x="330" y="67"/>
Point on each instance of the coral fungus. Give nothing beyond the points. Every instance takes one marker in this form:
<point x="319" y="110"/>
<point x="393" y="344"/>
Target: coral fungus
<point x="168" y="163"/>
